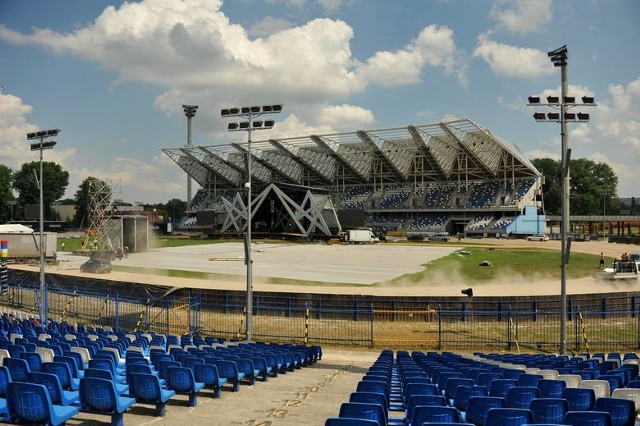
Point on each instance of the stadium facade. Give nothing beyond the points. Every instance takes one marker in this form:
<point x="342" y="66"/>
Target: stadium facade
<point x="452" y="176"/>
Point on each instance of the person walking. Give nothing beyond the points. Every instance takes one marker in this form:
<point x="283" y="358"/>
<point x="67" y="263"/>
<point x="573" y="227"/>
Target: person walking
<point x="602" y="260"/>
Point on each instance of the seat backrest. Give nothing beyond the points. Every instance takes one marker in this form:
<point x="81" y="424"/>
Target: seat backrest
<point x="71" y="362"/>
<point x="33" y="359"/>
<point x="548" y="374"/>
<point x="5" y="379"/>
<point x="206" y="373"/>
<point x="29" y="402"/>
<point x="180" y="379"/>
<point x="463" y="393"/>
<point x="432" y="414"/>
<point x="529" y="379"/>
<point x="521" y="396"/>
<point x="61" y="370"/>
<point x="623" y="411"/>
<point x="479" y="406"/>
<point x="452" y="384"/>
<point x="18" y="368"/>
<point x="360" y="410"/>
<point x="549" y="410"/>
<point x="98" y="373"/>
<point x="579" y="399"/>
<point x="46" y="354"/>
<point x="144" y="386"/>
<point x="84" y="352"/>
<point x="590" y="418"/>
<point x="509" y="417"/>
<point x="499" y="387"/>
<point x="51" y="382"/>
<point x="600" y="387"/>
<point x="98" y="394"/>
<point x="632" y="394"/>
<point x="550" y="388"/>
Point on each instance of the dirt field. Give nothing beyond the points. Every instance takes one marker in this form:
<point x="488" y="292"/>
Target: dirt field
<point x="349" y="269"/>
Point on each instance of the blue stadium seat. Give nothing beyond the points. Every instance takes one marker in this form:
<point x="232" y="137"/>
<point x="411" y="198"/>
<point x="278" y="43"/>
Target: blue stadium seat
<point x="549" y="410"/>
<point x="424" y="400"/>
<point x="5" y="379"/>
<point x="98" y="373"/>
<point x="588" y="418"/>
<point x="343" y="421"/>
<point x="499" y="387"/>
<point x="463" y="393"/>
<point x="181" y="380"/>
<point x="208" y="375"/>
<point x="145" y="388"/>
<point x="62" y="370"/>
<point x="529" y="379"/>
<point x="549" y="388"/>
<point x="623" y="411"/>
<point x="229" y="370"/>
<point x="432" y="414"/>
<point x="58" y="395"/>
<point x="30" y="403"/>
<point x="18" y="368"/>
<point x="508" y="417"/>
<point x="357" y="410"/>
<point x="479" y="406"/>
<point x="33" y="359"/>
<point x="521" y="396"/>
<point x="99" y="396"/>
<point x="579" y="399"/>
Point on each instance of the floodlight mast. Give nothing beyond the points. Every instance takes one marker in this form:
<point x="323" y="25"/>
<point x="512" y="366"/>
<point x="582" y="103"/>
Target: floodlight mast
<point x="41" y="146"/>
<point x="189" y="112"/>
<point x="250" y="114"/>
<point x="560" y="58"/>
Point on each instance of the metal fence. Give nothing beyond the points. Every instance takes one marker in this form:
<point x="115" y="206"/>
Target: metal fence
<point x="594" y="322"/>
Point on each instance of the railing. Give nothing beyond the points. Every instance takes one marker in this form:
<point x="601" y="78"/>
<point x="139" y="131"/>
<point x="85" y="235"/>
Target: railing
<point x="595" y="322"/>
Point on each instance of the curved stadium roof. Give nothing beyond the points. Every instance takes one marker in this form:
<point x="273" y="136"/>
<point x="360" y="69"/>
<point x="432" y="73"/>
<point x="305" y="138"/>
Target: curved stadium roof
<point x="445" y="151"/>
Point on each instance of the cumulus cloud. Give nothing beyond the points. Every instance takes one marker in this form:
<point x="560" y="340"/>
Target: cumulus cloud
<point x="522" y="16"/>
<point x="194" y="51"/>
<point x="513" y="61"/>
<point x="434" y="47"/>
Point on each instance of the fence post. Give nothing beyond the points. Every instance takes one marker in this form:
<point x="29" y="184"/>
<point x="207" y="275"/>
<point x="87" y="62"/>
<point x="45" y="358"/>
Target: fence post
<point x="638" y="331"/>
<point x="168" y="304"/>
<point x="633" y="306"/>
<point x="117" y="324"/>
<point x="439" y="327"/>
<point x="319" y="312"/>
<point x="371" y="321"/>
<point x="501" y="312"/>
<point x="605" y="307"/>
<point x="535" y="310"/>
<point x="256" y="304"/>
<point x="509" y="326"/>
<point x="226" y="303"/>
<point x="393" y="310"/>
<point x="355" y="310"/>
<point x="306" y="323"/>
<point x="464" y="311"/>
<point x="289" y="307"/>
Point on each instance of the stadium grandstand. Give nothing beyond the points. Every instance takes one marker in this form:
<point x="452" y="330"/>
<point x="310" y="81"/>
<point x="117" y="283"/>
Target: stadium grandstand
<point x="452" y="176"/>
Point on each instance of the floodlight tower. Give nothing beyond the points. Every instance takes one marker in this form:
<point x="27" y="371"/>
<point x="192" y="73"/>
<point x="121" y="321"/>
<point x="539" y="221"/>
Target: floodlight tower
<point x="560" y="58"/>
<point x="42" y="144"/>
<point x="249" y="114"/>
<point x="189" y="112"/>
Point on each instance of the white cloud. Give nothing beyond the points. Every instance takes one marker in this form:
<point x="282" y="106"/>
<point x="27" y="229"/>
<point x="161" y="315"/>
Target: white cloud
<point x="268" y="26"/>
<point x="522" y="16"/>
<point x="434" y="47"/>
<point x="513" y="61"/>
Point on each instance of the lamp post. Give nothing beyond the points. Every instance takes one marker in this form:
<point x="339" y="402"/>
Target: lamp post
<point x="11" y="204"/>
<point x="560" y="58"/>
<point x="189" y="112"/>
<point x="249" y="114"/>
<point x="42" y="144"/>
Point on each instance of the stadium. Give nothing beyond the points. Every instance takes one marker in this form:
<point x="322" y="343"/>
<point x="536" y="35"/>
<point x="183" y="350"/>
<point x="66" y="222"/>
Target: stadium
<point x="452" y="176"/>
<point x="324" y="314"/>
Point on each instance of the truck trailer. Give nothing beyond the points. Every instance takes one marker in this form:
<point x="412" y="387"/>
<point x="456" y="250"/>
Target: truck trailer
<point x="24" y="247"/>
<point x="362" y="236"/>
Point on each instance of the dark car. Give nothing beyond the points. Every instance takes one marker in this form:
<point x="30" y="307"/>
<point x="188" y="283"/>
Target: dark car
<point x="96" y="266"/>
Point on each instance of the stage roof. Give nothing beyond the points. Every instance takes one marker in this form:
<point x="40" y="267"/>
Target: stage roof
<point x="440" y="152"/>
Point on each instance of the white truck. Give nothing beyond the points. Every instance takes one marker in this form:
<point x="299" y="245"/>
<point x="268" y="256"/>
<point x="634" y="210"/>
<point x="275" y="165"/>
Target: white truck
<point x="362" y="236"/>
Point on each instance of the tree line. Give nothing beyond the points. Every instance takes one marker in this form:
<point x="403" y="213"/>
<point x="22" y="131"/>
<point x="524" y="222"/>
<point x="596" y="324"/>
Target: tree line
<point x="593" y="186"/>
<point x="55" y="182"/>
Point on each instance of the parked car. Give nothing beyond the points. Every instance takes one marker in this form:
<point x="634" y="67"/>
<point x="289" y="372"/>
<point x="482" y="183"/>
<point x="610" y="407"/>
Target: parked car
<point x="96" y="266"/>
<point x="538" y="237"/>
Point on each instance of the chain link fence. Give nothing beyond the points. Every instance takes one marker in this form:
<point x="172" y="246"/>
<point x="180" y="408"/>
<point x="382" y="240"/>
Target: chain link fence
<point x="594" y="322"/>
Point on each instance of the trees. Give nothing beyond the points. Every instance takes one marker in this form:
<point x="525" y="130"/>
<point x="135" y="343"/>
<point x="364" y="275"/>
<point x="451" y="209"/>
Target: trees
<point x="592" y="185"/>
<point x="175" y="209"/>
<point x="5" y="193"/>
<point x="54" y="183"/>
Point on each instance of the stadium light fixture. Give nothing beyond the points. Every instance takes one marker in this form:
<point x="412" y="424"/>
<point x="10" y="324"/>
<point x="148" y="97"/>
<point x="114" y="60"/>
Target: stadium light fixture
<point x="249" y="113"/>
<point x="41" y="145"/>
<point x="560" y="58"/>
<point x="189" y="112"/>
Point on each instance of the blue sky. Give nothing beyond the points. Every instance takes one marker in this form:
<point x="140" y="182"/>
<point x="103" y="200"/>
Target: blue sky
<point x="113" y="75"/>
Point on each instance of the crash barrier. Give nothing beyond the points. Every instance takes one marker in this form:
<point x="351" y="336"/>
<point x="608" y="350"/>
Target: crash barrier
<point x="594" y="322"/>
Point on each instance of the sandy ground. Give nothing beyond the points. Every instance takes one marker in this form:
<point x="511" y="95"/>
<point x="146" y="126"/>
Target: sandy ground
<point x="348" y="269"/>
